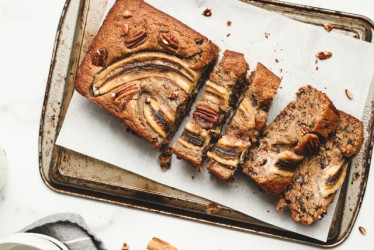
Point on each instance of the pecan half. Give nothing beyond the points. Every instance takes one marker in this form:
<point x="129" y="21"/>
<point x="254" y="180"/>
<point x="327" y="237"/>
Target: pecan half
<point x="324" y="55"/>
<point x="99" y="57"/>
<point x="135" y="38"/>
<point x="206" y="114"/>
<point x="308" y="144"/>
<point x="167" y="41"/>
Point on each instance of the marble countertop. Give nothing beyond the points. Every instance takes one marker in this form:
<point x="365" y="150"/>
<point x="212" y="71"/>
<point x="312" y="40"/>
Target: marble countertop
<point x="28" y="30"/>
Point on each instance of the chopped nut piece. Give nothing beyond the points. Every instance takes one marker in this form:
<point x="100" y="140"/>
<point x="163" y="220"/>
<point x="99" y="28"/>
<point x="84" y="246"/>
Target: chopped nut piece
<point x="328" y="27"/>
<point x="229" y="23"/>
<point x="229" y="34"/>
<point x="125" y="29"/>
<point x="212" y="208"/>
<point x="317" y="68"/>
<point x="135" y="38"/>
<point x="125" y="246"/>
<point x="127" y="14"/>
<point x="207" y="12"/>
<point x="323" y="55"/>
<point x="362" y="230"/>
<point x="355" y="176"/>
<point x="349" y="94"/>
<point x="99" y="57"/>
<point x="158" y="244"/>
<point x="276" y="60"/>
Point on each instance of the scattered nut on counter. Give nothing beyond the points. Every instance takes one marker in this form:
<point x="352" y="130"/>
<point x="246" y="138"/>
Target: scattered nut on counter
<point x="207" y="12"/>
<point x="158" y="244"/>
<point x="349" y="94"/>
<point x="324" y="55"/>
<point x="355" y="176"/>
<point x="362" y="230"/>
<point x="328" y="27"/>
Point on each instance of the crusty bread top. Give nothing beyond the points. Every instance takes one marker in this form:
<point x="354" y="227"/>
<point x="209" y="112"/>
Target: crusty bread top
<point x="130" y="19"/>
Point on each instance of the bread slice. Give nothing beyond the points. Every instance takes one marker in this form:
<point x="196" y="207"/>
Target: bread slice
<point x="145" y="67"/>
<point x="317" y="179"/>
<point x="221" y="91"/>
<point x="248" y="120"/>
<point x="293" y="134"/>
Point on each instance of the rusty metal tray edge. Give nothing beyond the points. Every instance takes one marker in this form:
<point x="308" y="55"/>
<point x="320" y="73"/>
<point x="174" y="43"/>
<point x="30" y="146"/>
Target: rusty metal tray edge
<point x="45" y="159"/>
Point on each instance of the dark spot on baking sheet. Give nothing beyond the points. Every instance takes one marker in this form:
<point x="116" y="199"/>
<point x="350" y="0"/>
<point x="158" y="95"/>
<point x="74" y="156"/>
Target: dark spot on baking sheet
<point x="207" y="12"/>
<point x="281" y="70"/>
<point x="229" y="23"/>
<point x="316" y="61"/>
<point x="317" y="68"/>
<point x="193" y="177"/>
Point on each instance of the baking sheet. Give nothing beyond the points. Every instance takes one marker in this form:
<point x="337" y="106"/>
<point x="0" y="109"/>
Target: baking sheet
<point x="294" y="47"/>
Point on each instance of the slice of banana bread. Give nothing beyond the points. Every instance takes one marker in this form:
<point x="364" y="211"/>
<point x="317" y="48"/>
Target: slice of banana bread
<point x="221" y="91"/>
<point x="317" y="179"/>
<point x="144" y="67"/>
<point x="248" y="120"/>
<point x="293" y="134"/>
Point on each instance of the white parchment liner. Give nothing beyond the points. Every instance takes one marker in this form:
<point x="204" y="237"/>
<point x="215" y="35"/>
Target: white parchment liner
<point x="286" y="47"/>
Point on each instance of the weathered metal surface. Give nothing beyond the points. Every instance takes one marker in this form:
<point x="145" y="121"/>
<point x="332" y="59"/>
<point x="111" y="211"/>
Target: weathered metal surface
<point x="72" y="173"/>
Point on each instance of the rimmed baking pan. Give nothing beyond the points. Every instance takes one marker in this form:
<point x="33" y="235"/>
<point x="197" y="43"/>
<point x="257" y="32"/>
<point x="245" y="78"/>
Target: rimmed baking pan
<point x="68" y="172"/>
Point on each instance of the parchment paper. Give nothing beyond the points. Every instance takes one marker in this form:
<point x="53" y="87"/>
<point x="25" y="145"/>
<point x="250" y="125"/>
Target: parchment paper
<point x="261" y="36"/>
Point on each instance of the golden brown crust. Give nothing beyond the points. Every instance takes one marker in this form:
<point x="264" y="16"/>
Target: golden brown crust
<point x="133" y="28"/>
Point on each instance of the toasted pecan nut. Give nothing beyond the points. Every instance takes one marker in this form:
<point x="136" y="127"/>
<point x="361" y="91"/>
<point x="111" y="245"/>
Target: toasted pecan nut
<point x="167" y="41"/>
<point x="206" y="113"/>
<point x="135" y="38"/>
<point x="308" y="144"/>
<point x="322" y="55"/>
<point x="99" y="57"/>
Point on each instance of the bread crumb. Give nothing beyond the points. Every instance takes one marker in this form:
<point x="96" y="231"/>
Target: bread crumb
<point x="276" y="60"/>
<point x="207" y="12"/>
<point x="280" y="70"/>
<point x="212" y="208"/>
<point x="355" y="36"/>
<point x="316" y="61"/>
<point x="229" y="34"/>
<point x="324" y="55"/>
<point x="267" y="35"/>
<point x="317" y="68"/>
<point x="125" y="246"/>
<point x="355" y="176"/>
<point x="328" y="27"/>
<point x="229" y="23"/>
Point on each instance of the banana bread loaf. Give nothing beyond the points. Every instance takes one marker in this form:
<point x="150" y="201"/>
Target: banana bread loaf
<point x="293" y="134"/>
<point x="317" y="179"/>
<point x="248" y="120"/>
<point x="145" y="67"/>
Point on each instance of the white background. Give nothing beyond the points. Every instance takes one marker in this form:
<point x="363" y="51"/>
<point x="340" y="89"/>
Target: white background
<point x="27" y="33"/>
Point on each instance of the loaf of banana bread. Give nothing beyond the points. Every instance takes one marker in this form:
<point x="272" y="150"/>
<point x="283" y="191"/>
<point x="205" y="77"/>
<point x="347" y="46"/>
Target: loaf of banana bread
<point x="145" y="67"/>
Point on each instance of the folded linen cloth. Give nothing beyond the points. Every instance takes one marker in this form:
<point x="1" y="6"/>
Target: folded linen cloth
<point x="68" y="228"/>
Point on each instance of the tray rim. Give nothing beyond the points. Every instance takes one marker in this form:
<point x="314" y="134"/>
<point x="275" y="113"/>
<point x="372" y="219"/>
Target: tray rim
<point x="114" y="199"/>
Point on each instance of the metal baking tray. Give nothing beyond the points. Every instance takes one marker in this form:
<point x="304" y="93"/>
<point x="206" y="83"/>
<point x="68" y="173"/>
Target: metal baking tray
<point x="72" y="173"/>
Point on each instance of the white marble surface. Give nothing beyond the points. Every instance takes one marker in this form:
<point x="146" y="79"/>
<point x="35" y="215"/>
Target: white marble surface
<point x="28" y="31"/>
